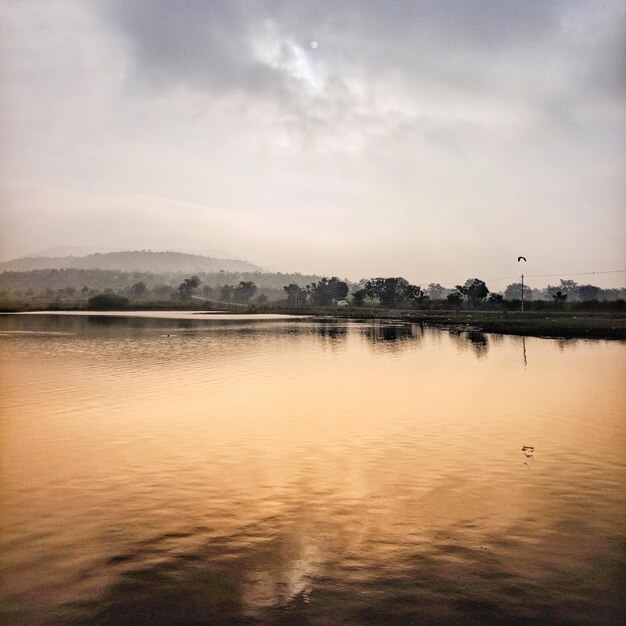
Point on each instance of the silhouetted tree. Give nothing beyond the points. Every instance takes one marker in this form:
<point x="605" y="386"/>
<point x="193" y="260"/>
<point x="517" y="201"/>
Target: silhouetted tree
<point x="414" y="294"/>
<point x="569" y="288"/>
<point x="474" y="290"/>
<point x="496" y="300"/>
<point x="514" y="292"/>
<point x="339" y="288"/>
<point x="226" y="292"/>
<point x="327" y="291"/>
<point x="139" y="289"/>
<point x="244" y="291"/>
<point x="107" y="301"/>
<point x="390" y="292"/>
<point x="435" y="291"/>
<point x="393" y="292"/>
<point x="358" y="297"/>
<point x="296" y="296"/>
<point x="588" y="292"/>
<point x="611" y="295"/>
<point x="559" y="297"/>
<point x="455" y="299"/>
<point x="550" y="291"/>
<point x="188" y="286"/>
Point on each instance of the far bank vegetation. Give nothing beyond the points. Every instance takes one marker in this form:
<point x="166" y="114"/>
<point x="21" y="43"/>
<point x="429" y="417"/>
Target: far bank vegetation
<point x="78" y="288"/>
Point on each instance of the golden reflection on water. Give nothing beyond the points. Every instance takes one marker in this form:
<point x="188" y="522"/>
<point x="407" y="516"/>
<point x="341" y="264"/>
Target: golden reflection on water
<point x="366" y="472"/>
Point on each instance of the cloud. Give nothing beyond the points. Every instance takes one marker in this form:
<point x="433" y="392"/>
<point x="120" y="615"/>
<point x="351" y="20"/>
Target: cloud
<point x="264" y="47"/>
<point x="441" y="70"/>
<point x="417" y="138"/>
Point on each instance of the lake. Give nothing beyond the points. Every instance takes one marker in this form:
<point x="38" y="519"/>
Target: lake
<point x="177" y="468"/>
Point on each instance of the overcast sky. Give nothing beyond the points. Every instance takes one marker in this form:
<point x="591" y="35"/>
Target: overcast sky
<point x="434" y="140"/>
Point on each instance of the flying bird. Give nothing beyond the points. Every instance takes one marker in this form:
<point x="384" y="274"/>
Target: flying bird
<point x="519" y="258"/>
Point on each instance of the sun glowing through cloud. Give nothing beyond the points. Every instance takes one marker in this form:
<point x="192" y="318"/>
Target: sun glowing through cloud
<point x="478" y="130"/>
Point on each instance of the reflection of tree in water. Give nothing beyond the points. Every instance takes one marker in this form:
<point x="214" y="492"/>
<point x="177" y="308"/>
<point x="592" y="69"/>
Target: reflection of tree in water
<point x="564" y="343"/>
<point x="496" y="338"/>
<point x="332" y="332"/>
<point x="477" y="341"/>
<point x="108" y="320"/>
<point x="393" y="336"/>
<point x="436" y="334"/>
<point x="331" y="335"/>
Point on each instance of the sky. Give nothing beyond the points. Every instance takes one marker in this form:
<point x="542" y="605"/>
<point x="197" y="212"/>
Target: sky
<point x="431" y="139"/>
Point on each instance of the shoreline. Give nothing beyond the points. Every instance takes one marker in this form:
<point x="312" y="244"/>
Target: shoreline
<point x="552" y="324"/>
<point x="565" y="325"/>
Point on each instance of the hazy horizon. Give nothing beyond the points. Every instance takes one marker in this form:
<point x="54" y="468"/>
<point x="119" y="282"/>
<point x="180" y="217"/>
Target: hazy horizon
<point x="431" y="140"/>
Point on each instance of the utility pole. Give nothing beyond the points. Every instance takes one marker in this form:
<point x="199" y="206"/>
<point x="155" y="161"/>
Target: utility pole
<point x="522" y="258"/>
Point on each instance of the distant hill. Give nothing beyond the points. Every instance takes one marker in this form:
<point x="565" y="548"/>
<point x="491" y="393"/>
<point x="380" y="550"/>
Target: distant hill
<point x="132" y="261"/>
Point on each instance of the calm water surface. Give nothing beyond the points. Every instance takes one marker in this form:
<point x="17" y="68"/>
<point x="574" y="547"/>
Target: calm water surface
<point x="187" y="469"/>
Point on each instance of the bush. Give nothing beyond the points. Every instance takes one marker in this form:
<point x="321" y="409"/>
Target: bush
<point x="107" y="301"/>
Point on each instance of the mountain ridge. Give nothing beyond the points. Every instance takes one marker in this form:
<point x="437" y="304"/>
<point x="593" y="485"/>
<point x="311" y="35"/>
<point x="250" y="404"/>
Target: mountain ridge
<point x="132" y="261"/>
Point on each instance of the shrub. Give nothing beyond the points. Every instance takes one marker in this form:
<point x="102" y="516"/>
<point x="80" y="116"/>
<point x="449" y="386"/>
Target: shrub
<point x="107" y="301"/>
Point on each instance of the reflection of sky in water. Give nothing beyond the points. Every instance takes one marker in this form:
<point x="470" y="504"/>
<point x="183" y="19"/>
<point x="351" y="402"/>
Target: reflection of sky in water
<point x="190" y="469"/>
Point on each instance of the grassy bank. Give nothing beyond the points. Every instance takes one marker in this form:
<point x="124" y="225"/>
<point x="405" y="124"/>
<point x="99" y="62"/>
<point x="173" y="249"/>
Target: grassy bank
<point x="579" y="324"/>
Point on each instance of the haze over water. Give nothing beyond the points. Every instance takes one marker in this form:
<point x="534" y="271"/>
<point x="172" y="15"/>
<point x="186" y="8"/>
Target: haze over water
<point x="189" y="469"/>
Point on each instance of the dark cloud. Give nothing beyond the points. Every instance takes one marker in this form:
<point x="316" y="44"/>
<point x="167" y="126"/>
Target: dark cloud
<point x="550" y="57"/>
<point x="211" y="41"/>
<point x="192" y="42"/>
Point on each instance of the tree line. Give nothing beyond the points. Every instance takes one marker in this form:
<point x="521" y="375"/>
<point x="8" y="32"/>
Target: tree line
<point x="397" y="292"/>
<point x="292" y="290"/>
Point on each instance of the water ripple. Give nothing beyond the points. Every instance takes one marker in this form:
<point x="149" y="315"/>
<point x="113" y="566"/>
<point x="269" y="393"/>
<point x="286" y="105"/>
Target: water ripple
<point x="185" y="470"/>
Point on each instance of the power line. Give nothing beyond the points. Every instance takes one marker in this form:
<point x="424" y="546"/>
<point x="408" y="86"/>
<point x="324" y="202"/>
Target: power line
<point x="559" y="275"/>
<point x="546" y="276"/>
<point x="503" y="278"/>
<point x="575" y="274"/>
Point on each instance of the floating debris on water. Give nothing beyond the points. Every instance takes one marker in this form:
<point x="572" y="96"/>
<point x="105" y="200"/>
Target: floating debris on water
<point x="528" y="452"/>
